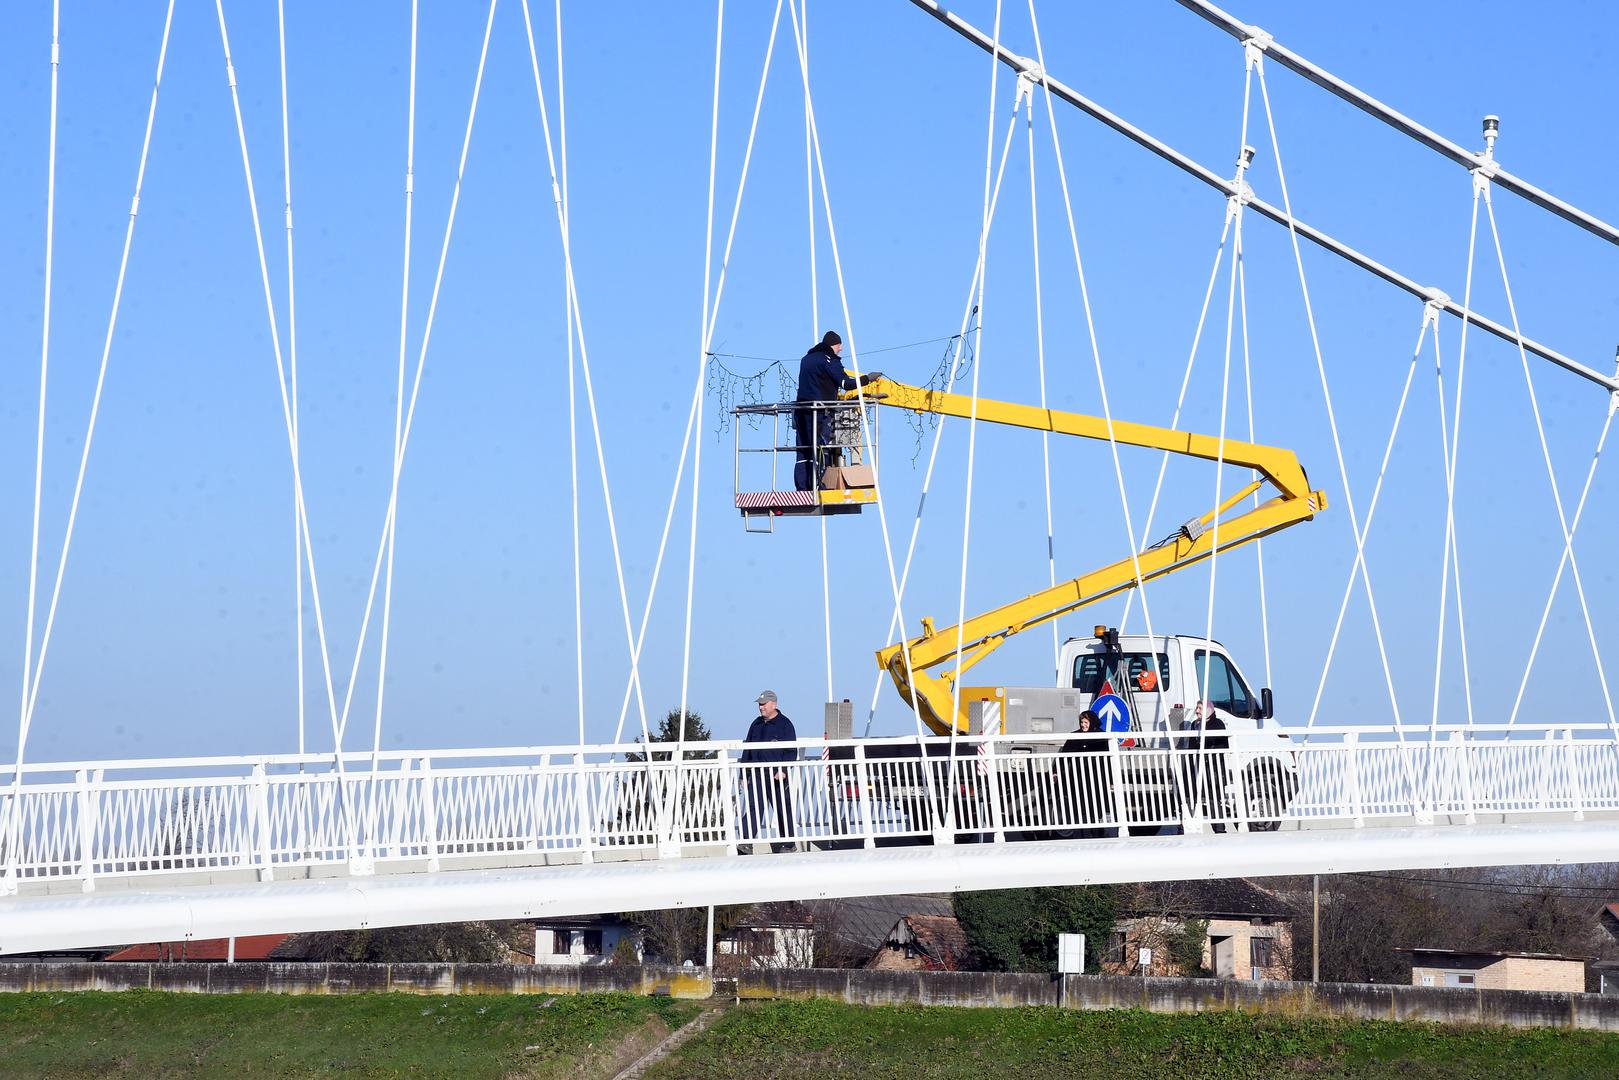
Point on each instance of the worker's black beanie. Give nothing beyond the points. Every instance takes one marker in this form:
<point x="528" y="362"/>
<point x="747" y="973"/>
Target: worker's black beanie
<point x="831" y="338"/>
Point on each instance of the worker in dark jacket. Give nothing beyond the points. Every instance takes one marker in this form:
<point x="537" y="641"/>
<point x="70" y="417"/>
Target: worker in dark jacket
<point x="821" y="377"/>
<point x="766" y="777"/>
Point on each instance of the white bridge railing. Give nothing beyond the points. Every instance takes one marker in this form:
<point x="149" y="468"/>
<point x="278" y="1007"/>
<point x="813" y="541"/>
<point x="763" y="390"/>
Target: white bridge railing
<point x="170" y="822"/>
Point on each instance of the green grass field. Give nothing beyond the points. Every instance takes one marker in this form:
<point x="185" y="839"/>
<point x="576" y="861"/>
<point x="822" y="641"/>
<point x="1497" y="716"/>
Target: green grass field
<point x="821" y="1039"/>
<point x="146" y="1034"/>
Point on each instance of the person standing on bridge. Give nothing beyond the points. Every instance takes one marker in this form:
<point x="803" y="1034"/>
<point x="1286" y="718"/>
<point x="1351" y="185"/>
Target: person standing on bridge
<point x="821" y="377"/>
<point x="766" y="777"/>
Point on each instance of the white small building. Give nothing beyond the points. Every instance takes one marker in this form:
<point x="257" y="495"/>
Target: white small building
<point x="769" y="936"/>
<point x="583" y="942"/>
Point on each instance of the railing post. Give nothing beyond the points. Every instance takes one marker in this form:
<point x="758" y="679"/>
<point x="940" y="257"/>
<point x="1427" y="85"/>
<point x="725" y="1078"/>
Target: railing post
<point x="1462" y="755"/>
<point x="991" y="764"/>
<point x="261" y="822"/>
<point x="1357" y="798"/>
<point x="668" y="828"/>
<point x="401" y="808"/>
<point x="728" y="822"/>
<point x="86" y="803"/>
<point x="1575" y="791"/>
<point x="581" y="797"/>
<point x="863" y="795"/>
<point x="1115" y="781"/>
<point x="1421" y="807"/>
<point x="429" y="816"/>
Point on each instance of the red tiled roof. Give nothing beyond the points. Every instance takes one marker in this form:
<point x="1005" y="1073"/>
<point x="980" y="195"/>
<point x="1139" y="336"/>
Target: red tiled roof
<point x="941" y="937"/>
<point x="255" y="947"/>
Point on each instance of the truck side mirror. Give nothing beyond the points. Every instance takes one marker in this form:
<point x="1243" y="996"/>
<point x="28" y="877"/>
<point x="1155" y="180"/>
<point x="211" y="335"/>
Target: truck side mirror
<point x="1267" y="704"/>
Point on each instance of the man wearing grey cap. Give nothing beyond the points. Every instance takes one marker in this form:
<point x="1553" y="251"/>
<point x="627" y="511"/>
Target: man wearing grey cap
<point x="766" y="775"/>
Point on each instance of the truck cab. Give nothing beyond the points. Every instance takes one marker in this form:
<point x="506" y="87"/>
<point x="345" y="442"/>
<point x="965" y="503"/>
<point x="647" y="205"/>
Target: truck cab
<point x="1146" y="690"/>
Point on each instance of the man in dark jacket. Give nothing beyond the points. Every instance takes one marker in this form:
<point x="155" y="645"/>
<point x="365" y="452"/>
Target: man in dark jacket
<point x="766" y="777"/>
<point x="821" y="377"/>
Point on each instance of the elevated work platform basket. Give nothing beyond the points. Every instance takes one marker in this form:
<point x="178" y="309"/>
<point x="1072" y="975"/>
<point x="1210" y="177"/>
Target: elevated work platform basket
<point x="803" y="459"/>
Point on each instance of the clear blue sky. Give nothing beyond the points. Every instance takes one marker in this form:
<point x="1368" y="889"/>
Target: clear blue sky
<point x="176" y="631"/>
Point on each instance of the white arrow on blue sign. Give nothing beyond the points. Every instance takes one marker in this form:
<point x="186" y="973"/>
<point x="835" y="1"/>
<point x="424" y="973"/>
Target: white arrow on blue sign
<point x="1113" y="711"/>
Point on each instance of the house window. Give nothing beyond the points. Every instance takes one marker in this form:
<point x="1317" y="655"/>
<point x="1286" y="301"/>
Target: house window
<point x="1456" y="978"/>
<point x="1115" y="948"/>
<point x="561" y="942"/>
<point x="1261" y="952"/>
<point x="754" y="942"/>
<point x="593" y="942"/>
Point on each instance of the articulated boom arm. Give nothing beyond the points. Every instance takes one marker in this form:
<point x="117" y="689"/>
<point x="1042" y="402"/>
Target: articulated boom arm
<point x="983" y="634"/>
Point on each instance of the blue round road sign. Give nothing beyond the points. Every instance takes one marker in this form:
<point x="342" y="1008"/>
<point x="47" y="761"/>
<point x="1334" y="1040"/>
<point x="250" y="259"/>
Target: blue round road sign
<point x="1113" y="711"/>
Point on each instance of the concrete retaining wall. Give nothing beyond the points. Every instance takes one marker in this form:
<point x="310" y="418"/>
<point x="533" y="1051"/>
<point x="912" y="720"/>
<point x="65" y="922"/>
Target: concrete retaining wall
<point x="974" y="989"/>
<point x="293" y="978"/>
<point x="981" y="989"/>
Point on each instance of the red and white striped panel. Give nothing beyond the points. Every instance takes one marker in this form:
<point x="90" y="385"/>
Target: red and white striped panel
<point x="766" y="500"/>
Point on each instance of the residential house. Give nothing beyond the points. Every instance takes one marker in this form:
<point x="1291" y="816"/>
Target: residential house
<point x="769" y="936"/>
<point x="923" y="943"/>
<point x="586" y="941"/>
<point x="1497" y="970"/>
<point x="1249" y="932"/>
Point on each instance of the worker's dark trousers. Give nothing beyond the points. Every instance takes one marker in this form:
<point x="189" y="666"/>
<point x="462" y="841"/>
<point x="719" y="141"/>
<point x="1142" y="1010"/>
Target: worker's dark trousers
<point x="811" y="439"/>
<point x="764" y="788"/>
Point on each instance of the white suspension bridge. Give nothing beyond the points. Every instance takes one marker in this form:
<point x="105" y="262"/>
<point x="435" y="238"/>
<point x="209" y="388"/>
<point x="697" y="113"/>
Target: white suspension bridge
<point x="112" y="851"/>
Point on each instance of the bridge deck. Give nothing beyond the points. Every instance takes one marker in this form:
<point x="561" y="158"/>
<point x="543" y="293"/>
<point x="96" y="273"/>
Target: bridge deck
<point x="30" y="923"/>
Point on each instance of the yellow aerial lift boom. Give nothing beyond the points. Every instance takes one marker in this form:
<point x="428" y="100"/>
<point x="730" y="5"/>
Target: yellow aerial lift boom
<point x="1194" y="541"/>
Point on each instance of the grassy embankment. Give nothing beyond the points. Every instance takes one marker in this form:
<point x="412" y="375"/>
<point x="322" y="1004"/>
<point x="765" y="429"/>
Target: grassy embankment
<point x="821" y="1039"/>
<point x="247" y="1036"/>
<point x="145" y="1034"/>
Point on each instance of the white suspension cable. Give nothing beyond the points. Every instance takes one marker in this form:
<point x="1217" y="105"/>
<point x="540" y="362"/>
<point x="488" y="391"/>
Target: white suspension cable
<point x="416" y="385"/>
<point x="1040" y="363"/>
<point x="292" y="361"/>
<point x="1096" y="357"/>
<point x="697" y="387"/>
<point x="1326" y="394"/>
<point x="1446" y="446"/>
<point x="32" y="681"/>
<point x="1243" y="160"/>
<point x="10" y="884"/>
<point x="1451" y="443"/>
<point x="1253" y="474"/>
<point x="894" y="621"/>
<point x="1180" y="400"/>
<point x="1090" y="327"/>
<point x="972" y="408"/>
<point x="564" y="225"/>
<point x="1551" y="471"/>
<point x="1430" y="317"/>
<point x="702" y="349"/>
<point x="814" y="334"/>
<point x="399" y="431"/>
<point x="302" y="509"/>
<point x="1562" y="562"/>
<point x="573" y="391"/>
<point x="849" y="336"/>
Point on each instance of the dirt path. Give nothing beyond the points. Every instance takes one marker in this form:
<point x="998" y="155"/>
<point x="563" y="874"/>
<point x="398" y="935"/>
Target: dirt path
<point x="639" y="1067"/>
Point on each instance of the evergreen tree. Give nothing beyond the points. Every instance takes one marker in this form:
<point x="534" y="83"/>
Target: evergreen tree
<point x="1016" y="929"/>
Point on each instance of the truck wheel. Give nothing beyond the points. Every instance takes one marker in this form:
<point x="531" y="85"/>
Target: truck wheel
<point x="1269" y="794"/>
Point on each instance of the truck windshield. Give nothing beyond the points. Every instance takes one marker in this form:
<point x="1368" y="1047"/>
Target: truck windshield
<point x="1090" y="671"/>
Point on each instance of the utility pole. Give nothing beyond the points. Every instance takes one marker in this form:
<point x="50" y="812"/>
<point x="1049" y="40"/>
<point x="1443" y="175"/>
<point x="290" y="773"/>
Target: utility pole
<point x="1315" y="928"/>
